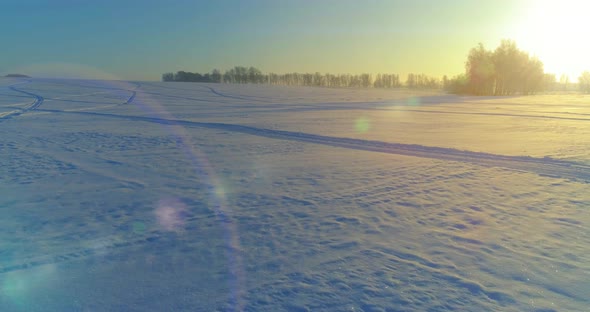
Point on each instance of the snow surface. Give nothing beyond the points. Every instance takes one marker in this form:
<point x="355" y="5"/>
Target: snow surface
<point x="124" y="196"/>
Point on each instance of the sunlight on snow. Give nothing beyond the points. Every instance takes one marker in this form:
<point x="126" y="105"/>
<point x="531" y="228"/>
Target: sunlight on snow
<point x="170" y="214"/>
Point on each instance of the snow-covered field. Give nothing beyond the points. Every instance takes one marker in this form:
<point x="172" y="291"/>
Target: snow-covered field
<point x="152" y="196"/>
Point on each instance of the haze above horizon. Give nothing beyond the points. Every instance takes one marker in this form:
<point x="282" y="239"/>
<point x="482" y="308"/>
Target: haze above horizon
<point x="140" y="40"/>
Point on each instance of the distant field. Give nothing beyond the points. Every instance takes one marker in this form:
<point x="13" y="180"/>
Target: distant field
<point x="151" y="196"/>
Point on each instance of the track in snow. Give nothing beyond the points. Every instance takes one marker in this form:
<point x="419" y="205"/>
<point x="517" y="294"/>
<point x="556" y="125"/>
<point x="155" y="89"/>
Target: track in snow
<point x="78" y="84"/>
<point x="489" y="114"/>
<point x="39" y="99"/>
<point x="245" y="98"/>
<point x="34" y="105"/>
<point x="542" y="166"/>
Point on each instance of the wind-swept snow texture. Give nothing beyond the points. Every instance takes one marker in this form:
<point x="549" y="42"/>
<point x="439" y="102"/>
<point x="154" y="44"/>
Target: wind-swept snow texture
<point x="121" y="196"/>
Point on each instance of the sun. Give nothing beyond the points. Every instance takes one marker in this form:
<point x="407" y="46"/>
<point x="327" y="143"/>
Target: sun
<point x="556" y="32"/>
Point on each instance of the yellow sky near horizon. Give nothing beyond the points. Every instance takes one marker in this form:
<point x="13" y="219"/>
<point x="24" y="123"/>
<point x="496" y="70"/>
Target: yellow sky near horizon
<point x="416" y="38"/>
<point x="429" y="37"/>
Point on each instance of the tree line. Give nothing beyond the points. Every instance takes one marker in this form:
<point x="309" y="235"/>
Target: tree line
<point x="242" y="74"/>
<point x="214" y="76"/>
<point x="506" y="70"/>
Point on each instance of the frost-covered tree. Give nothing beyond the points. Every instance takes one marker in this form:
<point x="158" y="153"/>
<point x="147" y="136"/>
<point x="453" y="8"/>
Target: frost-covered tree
<point x="168" y="77"/>
<point x="564" y="81"/>
<point x="584" y="82"/>
<point x="505" y="71"/>
<point x="480" y="71"/>
<point x="549" y="82"/>
<point x="215" y="76"/>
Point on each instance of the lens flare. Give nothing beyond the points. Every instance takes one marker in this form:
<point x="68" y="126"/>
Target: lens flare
<point x="18" y="286"/>
<point x="414" y="101"/>
<point x="362" y="124"/>
<point x="138" y="227"/>
<point x="220" y="191"/>
<point x="170" y="214"/>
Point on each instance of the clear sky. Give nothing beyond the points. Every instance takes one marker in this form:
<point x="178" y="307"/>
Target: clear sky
<point x="142" y="39"/>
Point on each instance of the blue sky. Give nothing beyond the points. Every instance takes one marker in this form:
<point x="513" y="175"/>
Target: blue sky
<point x="142" y="39"/>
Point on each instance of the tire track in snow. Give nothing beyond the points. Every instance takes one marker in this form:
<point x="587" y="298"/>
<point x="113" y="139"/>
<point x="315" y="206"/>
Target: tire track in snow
<point x="171" y="88"/>
<point x="542" y="166"/>
<point x="34" y="105"/>
<point x="78" y="84"/>
<point x="384" y="107"/>
<point x="232" y="96"/>
<point x="486" y="114"/>
<point x="133" y="94"/>
<point x="368" y="106"/>
<point x="211" y="90"/>
<point x="114" y="89"/>
<point x="40" y="100"/>
<point x="178" y="97"/>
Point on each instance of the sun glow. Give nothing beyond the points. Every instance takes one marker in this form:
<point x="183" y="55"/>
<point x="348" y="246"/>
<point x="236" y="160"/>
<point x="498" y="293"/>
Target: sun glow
<point x="556" y="32"/>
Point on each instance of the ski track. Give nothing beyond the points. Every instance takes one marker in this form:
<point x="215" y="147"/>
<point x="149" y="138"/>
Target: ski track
<point x="542" y="166"/>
